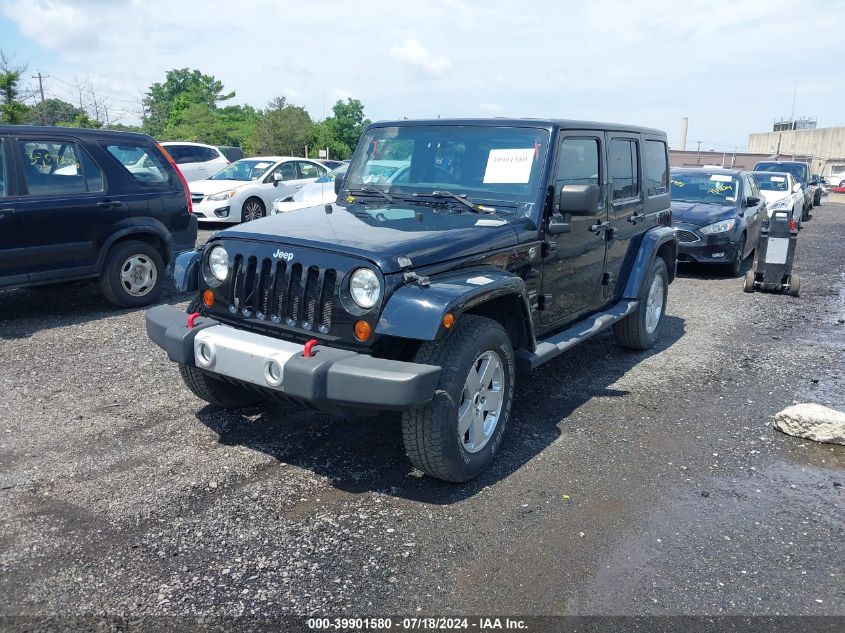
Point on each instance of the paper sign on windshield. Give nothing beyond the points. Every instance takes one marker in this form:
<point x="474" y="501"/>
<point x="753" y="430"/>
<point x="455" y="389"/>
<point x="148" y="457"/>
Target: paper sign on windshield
<point x="509" y="166"/>
<point x="778" y="179"/>
<point x="721" y="178"/>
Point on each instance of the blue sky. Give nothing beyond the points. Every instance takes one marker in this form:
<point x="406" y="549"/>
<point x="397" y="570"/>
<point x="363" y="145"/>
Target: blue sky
<point x="729" y="66"/>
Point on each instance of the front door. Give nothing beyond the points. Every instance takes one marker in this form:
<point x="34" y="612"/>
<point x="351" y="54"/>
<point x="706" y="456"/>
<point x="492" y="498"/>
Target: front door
<point x="573" y="268"/>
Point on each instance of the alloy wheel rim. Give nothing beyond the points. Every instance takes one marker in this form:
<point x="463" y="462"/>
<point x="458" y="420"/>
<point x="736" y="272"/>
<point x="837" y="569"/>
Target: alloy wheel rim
<point x="481" y="402"/>
<point x="252" y="211"/>
<point x="138" y="275"/>
<point x="654" y="304"/>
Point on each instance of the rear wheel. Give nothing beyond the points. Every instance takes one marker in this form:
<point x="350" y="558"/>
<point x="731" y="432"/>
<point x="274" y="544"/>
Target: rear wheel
<point x="133" y="275"/>
<point x="805" y="214"/>
<point x="641" y="329"/>
<point x="456" y="435"/>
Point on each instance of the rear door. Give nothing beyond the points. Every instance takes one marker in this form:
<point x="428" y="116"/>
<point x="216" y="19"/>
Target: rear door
<point x="13" y="264"/>
<point x="64" y="206"/>
<point x="626" y="200"/>
<point x="187" y="160"/>
<point x="308" y="172"/>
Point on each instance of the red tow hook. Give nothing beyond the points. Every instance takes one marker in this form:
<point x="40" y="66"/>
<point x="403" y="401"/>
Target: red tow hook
<point x="192" y="318"/>
<point x="309" y="346"/>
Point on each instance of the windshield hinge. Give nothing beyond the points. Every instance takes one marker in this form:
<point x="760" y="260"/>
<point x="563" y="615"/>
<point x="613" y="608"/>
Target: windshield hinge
<point x="410" y="275"/>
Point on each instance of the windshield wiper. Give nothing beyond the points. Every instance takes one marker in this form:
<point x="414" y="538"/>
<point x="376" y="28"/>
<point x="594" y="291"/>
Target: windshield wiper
<point x="462" y="198"/>
<point x="383" y="194"/>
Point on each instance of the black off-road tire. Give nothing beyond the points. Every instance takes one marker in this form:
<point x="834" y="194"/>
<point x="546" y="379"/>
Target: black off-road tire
<point x="631" y="332"/>
<point x="749" y="281"/>
<point x="218" y="392"/>
<point x="110" y="284"/>
<point x="430" y="433"/>
<point x="805" y="214"/>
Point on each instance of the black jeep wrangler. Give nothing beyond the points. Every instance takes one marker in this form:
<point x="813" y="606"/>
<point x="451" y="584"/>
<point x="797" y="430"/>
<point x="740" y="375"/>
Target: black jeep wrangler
<point x="458" y="252"/>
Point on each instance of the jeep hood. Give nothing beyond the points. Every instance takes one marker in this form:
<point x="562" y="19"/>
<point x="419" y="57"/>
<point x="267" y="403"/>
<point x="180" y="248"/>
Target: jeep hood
<point x="383" y="233"/>
<point x="701" y="213"/>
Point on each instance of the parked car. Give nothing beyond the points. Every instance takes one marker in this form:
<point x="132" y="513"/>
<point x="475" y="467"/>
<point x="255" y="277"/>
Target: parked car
<point x="781" y="193"/>
<point x="331" y="164"/>
<point x="509" y="242"/>
<point x="837" y="179"/>
<point x="75" y="204"/>
<point x="196" y="161"/>
<point x="816" y="181"/>
<point x="231" y="153"/>
<point x="717" y="215"/>
<point x="800" y="172"/>
<point x="321" y="191"/>
<point x="245" y="190"/>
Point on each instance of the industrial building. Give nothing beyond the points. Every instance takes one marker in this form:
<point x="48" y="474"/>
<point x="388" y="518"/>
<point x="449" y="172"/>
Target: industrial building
<point x="822" y="147"/>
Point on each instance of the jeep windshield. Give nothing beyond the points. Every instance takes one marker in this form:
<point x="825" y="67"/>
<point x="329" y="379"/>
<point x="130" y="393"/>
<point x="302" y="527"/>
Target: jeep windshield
<point x="479" y="162"/>
<point x="704" y="187"/>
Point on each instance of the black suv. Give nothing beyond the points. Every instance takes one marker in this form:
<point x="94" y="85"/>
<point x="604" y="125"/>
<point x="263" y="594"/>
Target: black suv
<point x="77" y="204"/>
<point x="458" y="252"/>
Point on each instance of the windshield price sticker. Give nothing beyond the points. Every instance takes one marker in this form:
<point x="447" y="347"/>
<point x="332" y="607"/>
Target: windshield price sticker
<point x="778" y="179"/>
<point x="509" y="166"/>
<point x="721" y="178"/>
<point x="262" y="165"/>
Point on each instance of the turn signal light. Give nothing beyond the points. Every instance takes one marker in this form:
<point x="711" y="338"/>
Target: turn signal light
<point x="207" y="298"/>
<point x="448" y="320"/>
<point x="362" y="330"/>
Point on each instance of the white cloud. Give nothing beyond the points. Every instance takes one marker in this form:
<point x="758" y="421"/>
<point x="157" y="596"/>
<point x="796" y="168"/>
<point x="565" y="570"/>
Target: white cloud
<point x="490" y="107"/>
<point x="413" y="53"/>
<point x="53" y="23"/>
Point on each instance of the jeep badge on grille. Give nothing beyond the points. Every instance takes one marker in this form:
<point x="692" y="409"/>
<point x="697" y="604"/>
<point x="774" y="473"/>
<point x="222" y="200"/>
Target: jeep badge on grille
<point x="280" y="254"/>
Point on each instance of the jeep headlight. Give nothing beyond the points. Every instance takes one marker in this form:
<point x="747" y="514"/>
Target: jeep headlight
<point x="719" y="227"/>
<point x="364" y="287"/>
<point x="223" y="195"/>
<point x="780" y="204"/>
<point x="218" y="263"/>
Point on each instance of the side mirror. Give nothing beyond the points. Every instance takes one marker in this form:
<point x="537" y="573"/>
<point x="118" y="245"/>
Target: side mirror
<point x="752" y="201"/>
<point x="796" y="187"/>
<point x="814" y="183"/>
<point x="338" y="184"/>
<point x="579" y="199"/>
<point x="277" y="178"/>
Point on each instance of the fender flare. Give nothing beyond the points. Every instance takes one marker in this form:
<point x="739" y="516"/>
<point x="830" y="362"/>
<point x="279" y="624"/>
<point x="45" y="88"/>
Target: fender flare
<point x="651" y="242"/>
<point x="416" y="312"/>
<point x="133" y="227"/>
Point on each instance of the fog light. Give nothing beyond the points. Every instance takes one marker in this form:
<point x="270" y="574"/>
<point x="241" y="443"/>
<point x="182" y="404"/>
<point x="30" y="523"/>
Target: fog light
<point x="222" y="212"/>
<point x="717" y="255"/>
<point x="272" y="372"/>
<point x="208" y="298"/>
<point x="205" y="354"/>
<point x="362" y="330"/>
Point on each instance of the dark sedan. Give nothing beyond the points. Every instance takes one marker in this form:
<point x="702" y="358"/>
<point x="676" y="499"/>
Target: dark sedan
<point x="717" y="215"/>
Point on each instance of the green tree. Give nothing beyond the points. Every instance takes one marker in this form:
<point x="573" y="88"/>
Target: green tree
<point x="12" y="108"/>
<point x="282" y="129"/>
<point x="181" y="88"/>
<point x="348" y="123"/>
<point x="53" y="112"/>
<point x="322" y="137"/>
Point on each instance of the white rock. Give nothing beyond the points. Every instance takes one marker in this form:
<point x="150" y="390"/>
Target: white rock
<point x="813" y="422"/>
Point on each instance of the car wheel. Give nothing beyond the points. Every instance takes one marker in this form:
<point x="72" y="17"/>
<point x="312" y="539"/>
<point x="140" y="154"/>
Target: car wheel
<point x="641" y="329"/>
<point x="818" y="201"/>
<point x="133" y="275"/>
<point x="749" y="281"/>
<point x="456" y="435"/>
<point x="253" y="209"/>
<point x="739" y="258"/>
<point x="218" y="392"/>
<point x="805" y="214"/>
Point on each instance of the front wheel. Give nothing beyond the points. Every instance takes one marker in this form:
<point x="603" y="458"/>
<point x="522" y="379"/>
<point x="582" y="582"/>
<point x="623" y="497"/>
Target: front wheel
<point x="253" y="209"/>
<point x="641" y="329"/>
<point x="456" y="435"/>
<point x="217" y="391"/>
<point x="739" y="257"/>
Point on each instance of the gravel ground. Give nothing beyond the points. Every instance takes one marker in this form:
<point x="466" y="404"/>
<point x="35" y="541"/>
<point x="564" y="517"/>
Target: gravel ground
<point x="648" y="483"/>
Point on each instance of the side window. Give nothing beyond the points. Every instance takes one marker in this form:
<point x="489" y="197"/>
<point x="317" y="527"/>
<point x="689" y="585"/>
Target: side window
<point x="287" y="170"/>
<point x="3" y="178"/>
<point x="578" y="162"/>
<point x="92" y="172"/>
<point x="183" y="154"/>
<point x="751" y="187"/>
<point x="142" y="162"/>
<point x="309" y="170"/>
<point x="204" y="154"/>
<point x="623" y="158"/>
<point x="53" y="167"/>
<point x="655" y="168"/>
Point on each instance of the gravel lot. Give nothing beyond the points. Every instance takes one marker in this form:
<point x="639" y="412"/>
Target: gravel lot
<point x="647" y="483"/>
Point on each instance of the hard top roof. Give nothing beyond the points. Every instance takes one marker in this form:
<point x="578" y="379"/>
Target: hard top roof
<point x="527" y="122"/>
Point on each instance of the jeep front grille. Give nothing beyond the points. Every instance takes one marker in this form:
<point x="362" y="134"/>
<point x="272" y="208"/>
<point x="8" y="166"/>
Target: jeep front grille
<point x="283" y="293"/>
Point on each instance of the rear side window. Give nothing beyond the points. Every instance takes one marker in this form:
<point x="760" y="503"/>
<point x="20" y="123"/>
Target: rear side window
<point x="142" y="162"/>
<point x="57" y="167"/>
<point x="655" y="168"/>
<point x="310" y="170"/>
<point x="623" y="159"/>
<point x="204" y="154"/>
<point x="3" y="178"/>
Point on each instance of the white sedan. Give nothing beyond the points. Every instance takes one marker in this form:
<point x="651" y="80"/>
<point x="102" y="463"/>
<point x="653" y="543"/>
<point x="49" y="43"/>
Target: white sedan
<point x="781" y="193"/>
<point x="321" y="191"/>
<point x="245" y="189"/>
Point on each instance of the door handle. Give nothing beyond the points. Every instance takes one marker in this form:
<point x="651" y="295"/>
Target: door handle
<point x="7" y="211"/>
<point x="598" y="228"/>
<point x="109" y="204"/>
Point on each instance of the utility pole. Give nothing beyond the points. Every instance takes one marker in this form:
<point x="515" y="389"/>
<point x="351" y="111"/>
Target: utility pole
<point x="41" y="77"/>
<point x="792" y="116"/>
<point x="698" y="155"/>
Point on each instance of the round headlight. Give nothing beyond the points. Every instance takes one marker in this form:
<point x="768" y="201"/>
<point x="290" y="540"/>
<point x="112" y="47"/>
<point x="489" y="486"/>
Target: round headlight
<point x="218" y="263"/>
<point x="364" y="287"/>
